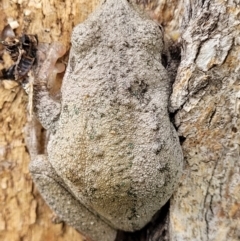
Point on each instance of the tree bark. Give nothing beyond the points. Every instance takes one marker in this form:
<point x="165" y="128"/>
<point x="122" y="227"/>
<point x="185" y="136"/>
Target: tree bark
<point x="204" y="106"/>
<point x="205" y="101"/>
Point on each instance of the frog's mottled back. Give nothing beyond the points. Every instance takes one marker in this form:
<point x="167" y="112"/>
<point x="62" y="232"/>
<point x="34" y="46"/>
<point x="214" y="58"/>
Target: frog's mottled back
<point x="113" y="145"/>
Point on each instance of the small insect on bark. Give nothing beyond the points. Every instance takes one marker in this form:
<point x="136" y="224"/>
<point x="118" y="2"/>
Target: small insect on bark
<point x="22" y="50"/>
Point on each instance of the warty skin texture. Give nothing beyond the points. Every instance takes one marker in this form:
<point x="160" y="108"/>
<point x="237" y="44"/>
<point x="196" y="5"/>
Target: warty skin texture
<point x="114" y="158"/>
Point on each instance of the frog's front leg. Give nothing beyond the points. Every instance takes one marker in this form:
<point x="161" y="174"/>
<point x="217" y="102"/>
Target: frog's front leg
<point x="65" y="205"/>
<point x="47" y="109"/>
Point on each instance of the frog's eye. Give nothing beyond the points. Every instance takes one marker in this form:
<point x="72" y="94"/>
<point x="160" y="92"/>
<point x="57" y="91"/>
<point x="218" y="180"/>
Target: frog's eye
<point x="84" y="36"/>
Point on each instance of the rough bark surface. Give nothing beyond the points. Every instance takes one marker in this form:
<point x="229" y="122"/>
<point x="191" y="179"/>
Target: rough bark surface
<point x="205" y="102"/>
<point x="206" y="97"/>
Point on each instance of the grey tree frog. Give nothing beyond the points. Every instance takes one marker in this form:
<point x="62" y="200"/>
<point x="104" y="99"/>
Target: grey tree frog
<point x="113" y="156"/>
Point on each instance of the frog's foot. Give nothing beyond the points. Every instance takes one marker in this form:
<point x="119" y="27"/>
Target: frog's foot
<point x="65" y="205"/>
<point x="46" y="108"/>
<point x="48" y="56"/>
<point x="56" y="219"/>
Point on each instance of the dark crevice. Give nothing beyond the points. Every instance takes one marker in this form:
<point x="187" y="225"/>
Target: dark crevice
<point x="175" y="52"/>
<point x="205" y="207"/>
<point x="182" y="139"/>
<point x="164" y="60"/>
<point x="172" y="118"/>
<point x="207" y="225"/>
<point x="211" y="117"/>
<point x="171" y="60"/>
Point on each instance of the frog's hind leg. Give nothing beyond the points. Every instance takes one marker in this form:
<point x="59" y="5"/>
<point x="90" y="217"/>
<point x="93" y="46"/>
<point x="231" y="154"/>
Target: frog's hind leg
<point x="65" y="205"/>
